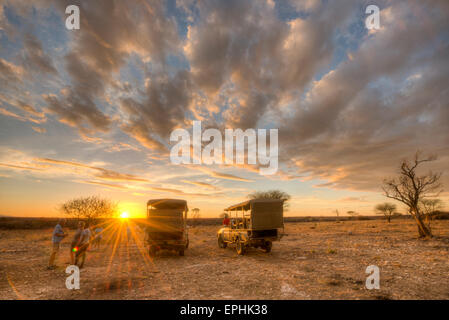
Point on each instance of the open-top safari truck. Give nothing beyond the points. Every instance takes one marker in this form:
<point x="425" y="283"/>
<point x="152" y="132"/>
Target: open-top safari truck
<point x="254" y="223"/>
<point x="166" y="225"/>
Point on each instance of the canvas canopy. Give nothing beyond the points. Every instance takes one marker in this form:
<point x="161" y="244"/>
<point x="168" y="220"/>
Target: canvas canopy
<point x="247" y="205"/>
<point x="167" y="204"/>
<point x="264" y="213"/>
<point x="166" y="214"/>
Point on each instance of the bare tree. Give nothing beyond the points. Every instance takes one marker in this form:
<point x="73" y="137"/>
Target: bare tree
<point x="271" y="194"/>
<point x="387" y="209"/>
<point x="410" y="188"/>
<point x="338" y="214"/>
<point x="89" y="208"/>
<point x="430" y="208"/>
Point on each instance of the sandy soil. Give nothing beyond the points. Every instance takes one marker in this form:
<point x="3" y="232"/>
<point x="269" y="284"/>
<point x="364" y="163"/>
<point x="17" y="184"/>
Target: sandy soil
<point x="316" y="260"/>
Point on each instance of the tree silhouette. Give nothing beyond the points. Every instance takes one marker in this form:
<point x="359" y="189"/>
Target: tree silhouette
<point x="410" y="188"/>
<point x="430" y="207"/>
<point x="271" y="194"/>
<point x="89" y="208"/>
<point x="387" y="209"/>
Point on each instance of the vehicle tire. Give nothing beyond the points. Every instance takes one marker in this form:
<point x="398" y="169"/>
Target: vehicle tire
<point x="181" y="252"/>
<point x="240" y="248"/>
<point x="221" y="242"/>
<point x="267" y="246"/>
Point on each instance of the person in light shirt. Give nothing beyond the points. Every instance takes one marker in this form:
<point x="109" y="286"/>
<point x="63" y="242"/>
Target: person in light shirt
<point x="97" y="237"/>
<point x="58" y="235"/>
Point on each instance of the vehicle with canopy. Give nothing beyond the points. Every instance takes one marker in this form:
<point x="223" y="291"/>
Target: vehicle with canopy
<point x="167" y="225"/>
<point x="254" y="223"/>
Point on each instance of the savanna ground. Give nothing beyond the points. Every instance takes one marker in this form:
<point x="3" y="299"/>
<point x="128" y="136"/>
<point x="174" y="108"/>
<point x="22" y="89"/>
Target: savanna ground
<point x="316" y="260"/>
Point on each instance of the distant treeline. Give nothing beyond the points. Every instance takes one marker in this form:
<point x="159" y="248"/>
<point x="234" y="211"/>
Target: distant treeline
<point x="217" y="221"/>
<point x="13" y="223"/>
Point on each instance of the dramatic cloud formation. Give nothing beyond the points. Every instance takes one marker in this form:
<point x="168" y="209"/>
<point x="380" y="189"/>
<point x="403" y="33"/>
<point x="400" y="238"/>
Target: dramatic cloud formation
<point x="353" y="126"/>
<point x="349" y="103"/>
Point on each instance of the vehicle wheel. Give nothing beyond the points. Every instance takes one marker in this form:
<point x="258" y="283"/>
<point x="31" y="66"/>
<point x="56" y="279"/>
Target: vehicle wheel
<point x="181" y="252"/>
<point x="267" y="246"/>
<point x="240" y="248"/>
<point x="221" y="243"/>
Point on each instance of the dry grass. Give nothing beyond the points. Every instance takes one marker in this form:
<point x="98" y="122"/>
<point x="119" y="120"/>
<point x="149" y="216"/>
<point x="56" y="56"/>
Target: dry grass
<point x="316" y="260"/>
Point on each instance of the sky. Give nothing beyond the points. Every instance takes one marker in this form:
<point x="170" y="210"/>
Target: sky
<point x="90" y="111"/>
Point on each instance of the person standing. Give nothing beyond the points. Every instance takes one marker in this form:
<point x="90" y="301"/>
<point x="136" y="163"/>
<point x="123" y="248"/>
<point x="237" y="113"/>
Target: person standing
<point x="58" y="235"/>
<point x="226" y="220"/>
<point x="98" y="237"/>
<point x="74" y="246"/>
<point x="84" y="245"/>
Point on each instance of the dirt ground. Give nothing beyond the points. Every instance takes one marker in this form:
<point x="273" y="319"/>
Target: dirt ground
<point x="316" y="260"/>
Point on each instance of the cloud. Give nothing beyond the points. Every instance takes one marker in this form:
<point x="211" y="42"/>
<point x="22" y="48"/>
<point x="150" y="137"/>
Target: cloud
<point x="27" y="112"/>
<point x="121" y="146"/>
<point x="201" y="184"/>
<point x="34" y="56"/>
<point x="349" y="104"/>
<point x="14" y="115"/>
<point x="78" y="109"/>
<point x="305" y="5"/>
<point x="39" y="129"/>
<point x="352" y="199"/>
<point x="360" y="119"/>
<point x="102" y="173"/>
<point x="107" y="185"/>
<point x="227" y="176"/>
<point x="13" y="166"/>
<point x="28" y="109"/>
<point x="108" y="35"/>
<point x="10" y="73"/>
<point x="244" y="52"/>
<point x="166" y="102"/>
<point x="180" y="192"/>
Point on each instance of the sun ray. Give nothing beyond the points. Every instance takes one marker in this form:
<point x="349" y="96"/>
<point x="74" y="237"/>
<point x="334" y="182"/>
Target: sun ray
<point x="13" y="287"/>
<point x="141" y="247"/>
<point x="118" y="237"/>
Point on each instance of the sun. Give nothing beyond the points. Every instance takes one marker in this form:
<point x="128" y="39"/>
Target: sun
<point x="124" y="215"/>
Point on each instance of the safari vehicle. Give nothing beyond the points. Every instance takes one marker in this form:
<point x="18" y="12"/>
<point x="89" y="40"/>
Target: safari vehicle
<point x="166" y="226"/>
<point x="253" y="223"/>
